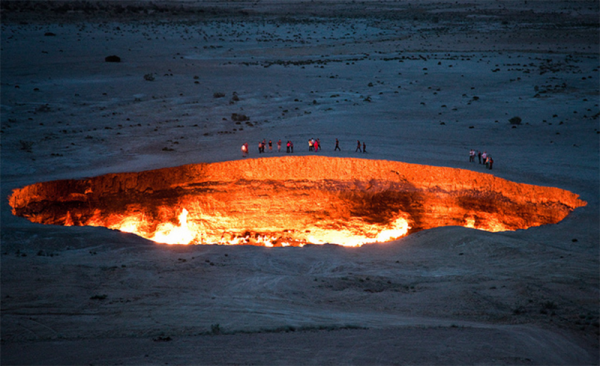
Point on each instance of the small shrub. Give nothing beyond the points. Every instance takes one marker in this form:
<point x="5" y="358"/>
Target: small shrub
<point x="215" y="329"/>
<point x="98" y="297"/>
<point x="149" y="77"/>
<point x="519" y="311"/>
<point x="43" y="108"/>
<point x="239" y="117"/>
<point x="26" y="145"/>
<point x="218" y="95"/>
<point x="515" y="120"/>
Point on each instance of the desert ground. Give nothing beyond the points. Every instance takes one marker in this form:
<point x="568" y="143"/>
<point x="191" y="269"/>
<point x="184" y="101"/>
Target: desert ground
<point x="418" y="81"/>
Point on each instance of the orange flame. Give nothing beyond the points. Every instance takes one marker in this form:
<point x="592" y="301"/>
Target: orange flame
<point x="190" y="233"/>
<point x="169" y="234"/>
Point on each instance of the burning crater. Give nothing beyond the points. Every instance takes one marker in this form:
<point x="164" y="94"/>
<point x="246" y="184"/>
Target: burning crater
<point x="292" y="201"/>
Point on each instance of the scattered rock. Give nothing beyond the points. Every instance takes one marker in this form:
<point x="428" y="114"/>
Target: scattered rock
<point x="162" y="339"/>
<point x="112" y="58"/>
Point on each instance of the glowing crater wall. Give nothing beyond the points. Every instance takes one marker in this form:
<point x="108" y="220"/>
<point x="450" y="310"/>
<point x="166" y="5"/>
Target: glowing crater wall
<point x="292" y="201"/>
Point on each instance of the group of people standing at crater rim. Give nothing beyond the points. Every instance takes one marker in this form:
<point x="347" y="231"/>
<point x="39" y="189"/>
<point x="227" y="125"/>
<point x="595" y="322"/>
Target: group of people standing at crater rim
<point x="484" y="158"/>
<point x="314" y="145"/>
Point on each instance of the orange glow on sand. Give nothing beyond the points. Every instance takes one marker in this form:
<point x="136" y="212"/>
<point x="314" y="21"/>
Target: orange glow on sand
<point x="292" y="201"/>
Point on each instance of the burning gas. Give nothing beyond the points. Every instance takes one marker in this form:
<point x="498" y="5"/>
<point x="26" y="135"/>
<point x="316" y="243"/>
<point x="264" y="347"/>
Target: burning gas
<point x="292" y="201"/>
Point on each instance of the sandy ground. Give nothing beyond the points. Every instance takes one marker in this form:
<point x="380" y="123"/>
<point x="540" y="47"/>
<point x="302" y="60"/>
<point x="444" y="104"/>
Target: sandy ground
<point x="419" y="81"/>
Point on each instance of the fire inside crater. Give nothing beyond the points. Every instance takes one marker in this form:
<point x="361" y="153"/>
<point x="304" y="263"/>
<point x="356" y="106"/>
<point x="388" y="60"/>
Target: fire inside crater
<point x="292" y="201"/>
